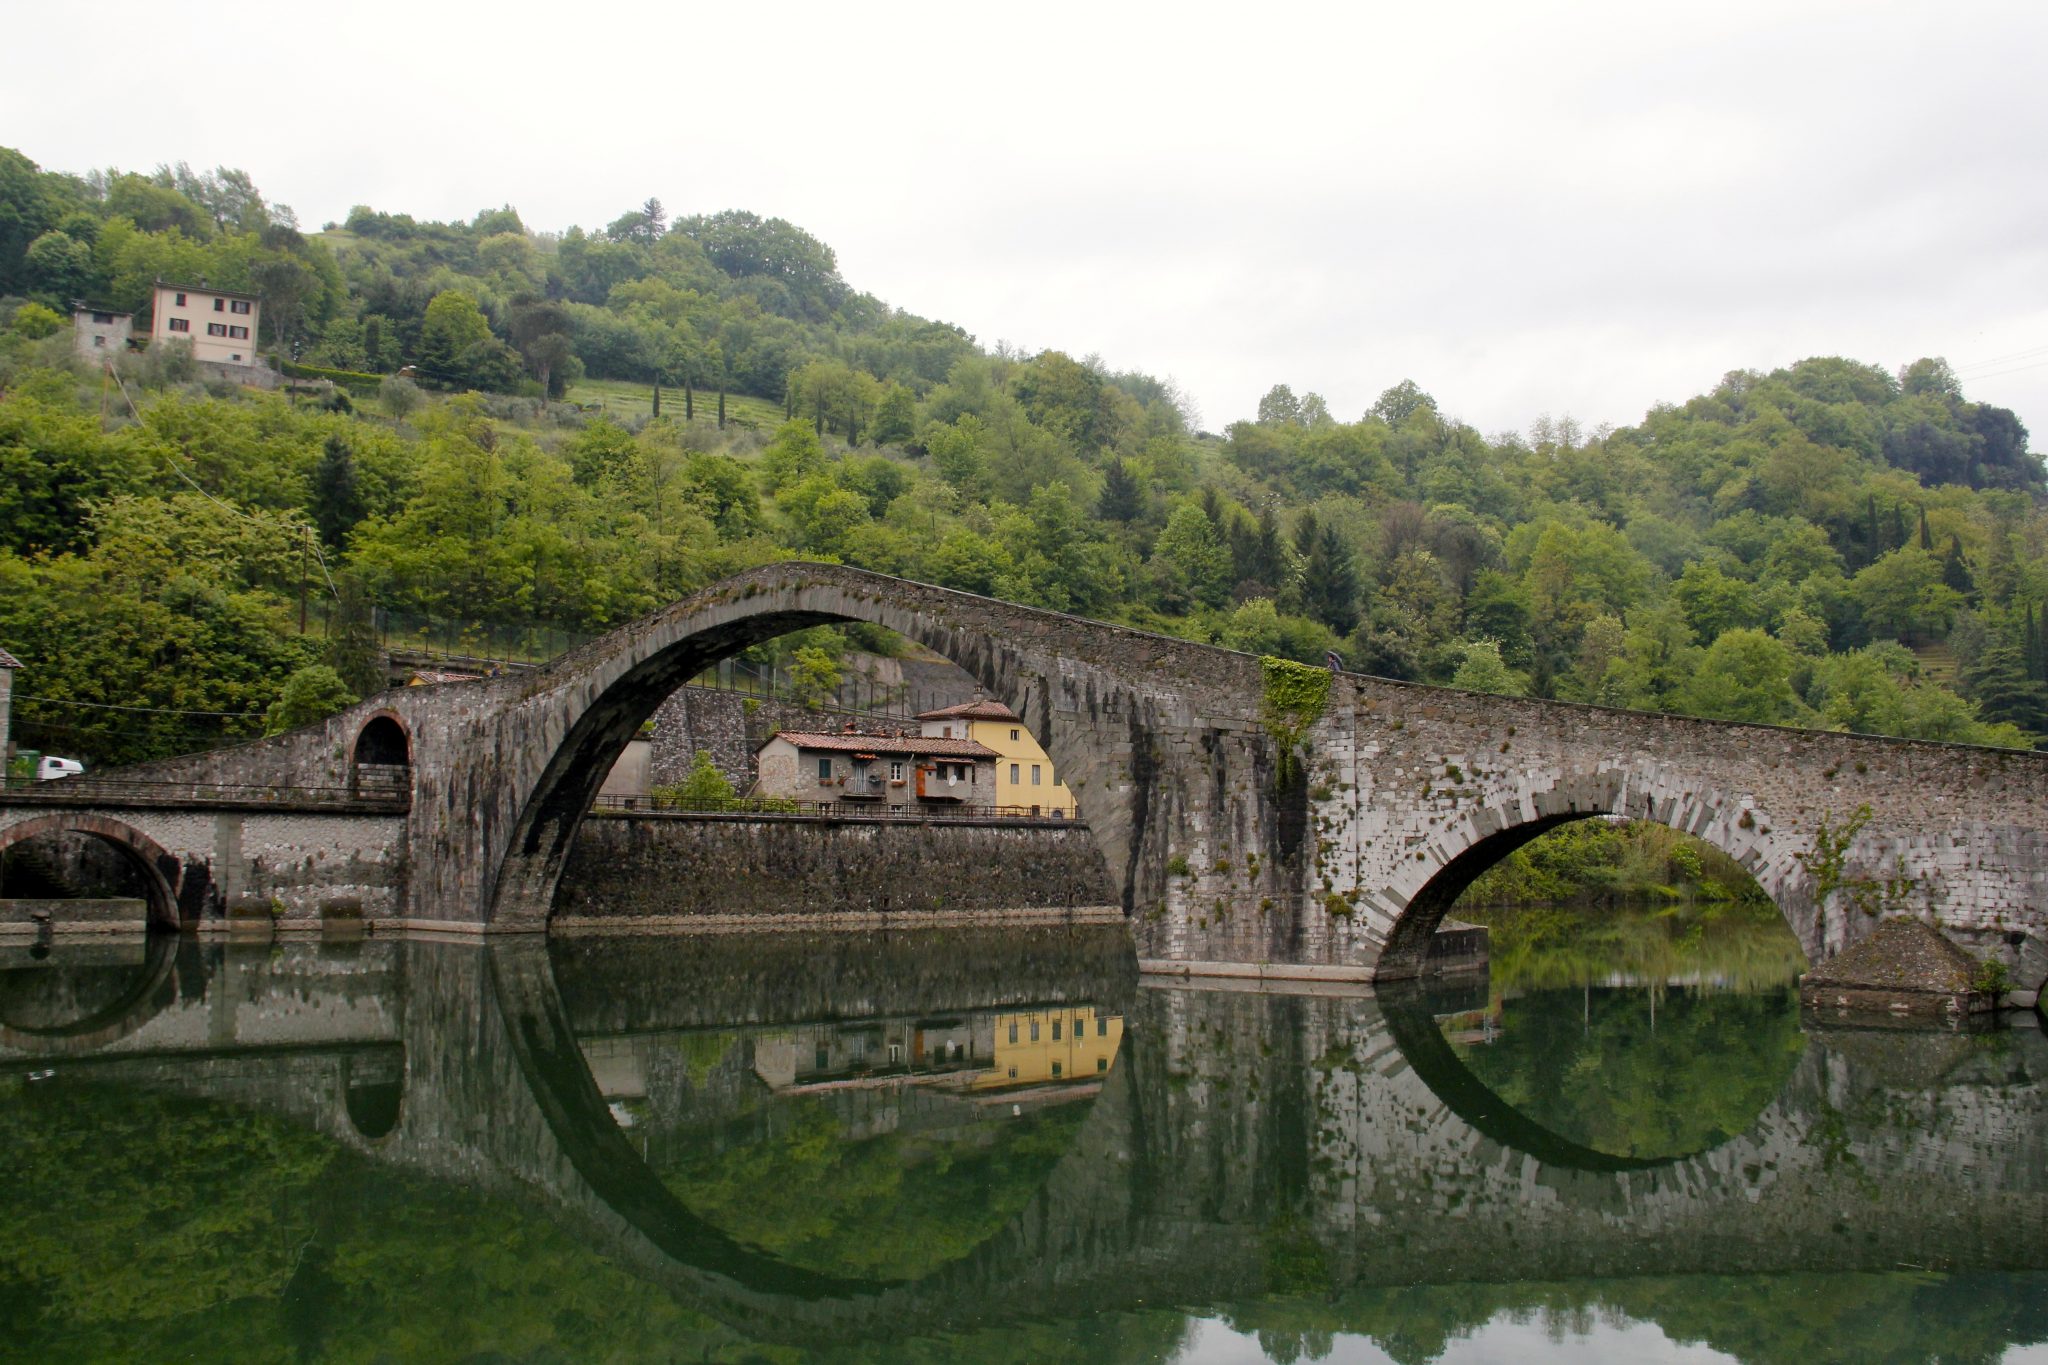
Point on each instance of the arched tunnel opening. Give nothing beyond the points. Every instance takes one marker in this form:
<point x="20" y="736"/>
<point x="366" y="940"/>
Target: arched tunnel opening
<point x="1640" y="1003"/>
<point x="837" y="768"/>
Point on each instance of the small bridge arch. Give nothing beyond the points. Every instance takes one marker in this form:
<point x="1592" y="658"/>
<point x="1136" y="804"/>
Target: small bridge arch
<point x="158" y="870"/>
<point x="1479" y="839"/>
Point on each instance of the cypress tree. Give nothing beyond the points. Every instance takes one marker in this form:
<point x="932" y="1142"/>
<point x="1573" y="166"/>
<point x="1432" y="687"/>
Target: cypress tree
<point x="1871" y="545"/>
<point x="1272" y="560"/>
<point x="721" y="407"/>
<point x="1926" y="540"/>
<point x="689" y="401"/>
<point x="1956" y="574"/>
<point x="1898" y="526"/>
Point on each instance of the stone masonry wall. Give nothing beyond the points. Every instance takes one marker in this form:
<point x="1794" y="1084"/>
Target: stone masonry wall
<point x="720" y="867"/>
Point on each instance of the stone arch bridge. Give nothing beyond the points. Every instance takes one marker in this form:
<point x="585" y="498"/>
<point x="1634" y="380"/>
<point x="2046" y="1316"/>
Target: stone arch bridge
<point x="1247" y="838"/>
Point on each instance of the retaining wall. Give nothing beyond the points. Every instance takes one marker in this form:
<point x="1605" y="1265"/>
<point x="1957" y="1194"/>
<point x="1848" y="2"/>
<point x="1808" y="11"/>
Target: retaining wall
<point x="750" y="870"/>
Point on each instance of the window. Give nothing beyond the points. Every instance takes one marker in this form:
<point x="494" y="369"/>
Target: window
<point x="1055" y="1070"/>
<point x="824" y="1057"/>
<point x="1013" y="1073"/>
<point x="216" y="329"/>
<point x="896" y="772"/>
<point x="239" y="333"/>
<point x="178" y="325"/>
<point x="236" y="356"/>
<point x="103" y="317"/>
<point x="1013" y="1033"/>
<point x="1034" y="1030"/>
<point x="824" y="770"/>
<point x="1034" y="774"/>
<point x="1102" y="1028"/>
<point x="220" y="305"/>
<point x="1013" y="774"/>
<point x="100" y="342"/>
<point x="1102" y="1063"/>
<point x="1055" y="1030"/>
<point x="239" y="306"/>
<point x="1013" y="736"/>
<point x="181" y="300"/>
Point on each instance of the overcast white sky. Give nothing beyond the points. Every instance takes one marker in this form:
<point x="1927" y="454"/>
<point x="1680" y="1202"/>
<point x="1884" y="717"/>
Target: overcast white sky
<point x="1526" y="208"/>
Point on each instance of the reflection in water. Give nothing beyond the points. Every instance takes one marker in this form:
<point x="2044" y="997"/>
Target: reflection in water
<point x="799" y="1150"/>
<point x="1639" y="1072"/>
<point x="873" y="1149"/>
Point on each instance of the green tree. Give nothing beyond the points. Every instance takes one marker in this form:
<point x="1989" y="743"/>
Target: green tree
<point x="1191" y="559"/>
<point x="813" y="677"/>
<point x="1902" y="595"/>
<point x="35" y="321"/>
<point x="895" y="417"/>
<point x="313" y="693"/>
<point x="1744" y="675"/>
<point x="1481" y="670"/>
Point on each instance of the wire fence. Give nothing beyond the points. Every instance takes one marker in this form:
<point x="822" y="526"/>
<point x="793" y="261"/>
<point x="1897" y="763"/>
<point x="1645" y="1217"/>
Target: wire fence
<point x="863" y="810"/>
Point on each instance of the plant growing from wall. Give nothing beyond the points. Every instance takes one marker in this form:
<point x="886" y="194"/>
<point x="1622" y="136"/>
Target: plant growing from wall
<point x="1828" y="861"/>
<point x="1294" y="698"/>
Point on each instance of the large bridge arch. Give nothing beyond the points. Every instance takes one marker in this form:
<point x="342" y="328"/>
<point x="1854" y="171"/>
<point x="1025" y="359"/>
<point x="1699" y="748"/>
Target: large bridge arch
<point x="622" y="680"/>
<point x="1479" y="839"/>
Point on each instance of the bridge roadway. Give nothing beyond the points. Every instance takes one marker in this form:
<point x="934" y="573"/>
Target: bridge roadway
<point x="1243" y="839"/>
<point x="1231" y="1117"/>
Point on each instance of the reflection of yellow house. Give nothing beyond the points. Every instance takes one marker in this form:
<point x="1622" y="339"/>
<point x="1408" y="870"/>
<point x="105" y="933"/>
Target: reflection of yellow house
<point x="1024" y="776"/>
<point x="1033" y="1047"/>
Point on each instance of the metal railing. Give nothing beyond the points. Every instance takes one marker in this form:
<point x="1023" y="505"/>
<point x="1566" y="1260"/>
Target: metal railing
<point x="920" y="813"/>
<point x="118" y="791"/>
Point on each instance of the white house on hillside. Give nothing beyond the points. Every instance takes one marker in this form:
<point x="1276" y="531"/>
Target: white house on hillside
<point x="220" y="324"/>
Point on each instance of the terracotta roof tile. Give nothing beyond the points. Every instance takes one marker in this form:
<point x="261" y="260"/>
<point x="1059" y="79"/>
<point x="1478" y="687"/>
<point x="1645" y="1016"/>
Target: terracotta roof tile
<point x="8" y="660"/>
<point x="981" y="708"/>
<point x="885" y="744"/>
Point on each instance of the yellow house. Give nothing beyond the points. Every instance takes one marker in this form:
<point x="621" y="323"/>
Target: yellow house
<point x="1063" y="1043"/>
<point x="1024" y="775"/>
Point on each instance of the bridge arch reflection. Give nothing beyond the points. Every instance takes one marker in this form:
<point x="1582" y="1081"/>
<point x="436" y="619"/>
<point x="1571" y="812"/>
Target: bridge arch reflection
<point x="65" y="1009"/>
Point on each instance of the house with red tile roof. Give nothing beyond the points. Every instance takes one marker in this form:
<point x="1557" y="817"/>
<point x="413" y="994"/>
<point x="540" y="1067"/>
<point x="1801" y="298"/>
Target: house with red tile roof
<point x="859" y="770"/>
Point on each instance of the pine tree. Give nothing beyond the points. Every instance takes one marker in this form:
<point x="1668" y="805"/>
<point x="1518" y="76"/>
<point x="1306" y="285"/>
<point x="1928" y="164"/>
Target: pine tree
<point x="337" y="501"/>
<point x="1122" y="500"/>
<point x="1329" y="586"/>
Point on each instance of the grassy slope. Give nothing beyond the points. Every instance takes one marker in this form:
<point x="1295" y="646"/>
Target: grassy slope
<point x="623" y="398"/>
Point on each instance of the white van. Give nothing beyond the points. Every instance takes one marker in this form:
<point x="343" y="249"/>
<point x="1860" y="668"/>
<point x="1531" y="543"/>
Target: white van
<point x="50" y="766"/>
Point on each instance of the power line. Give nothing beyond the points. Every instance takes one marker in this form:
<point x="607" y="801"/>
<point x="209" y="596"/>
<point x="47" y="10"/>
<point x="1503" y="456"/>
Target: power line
<point x="2001" y="359"/>
<point x="152" y="710"/>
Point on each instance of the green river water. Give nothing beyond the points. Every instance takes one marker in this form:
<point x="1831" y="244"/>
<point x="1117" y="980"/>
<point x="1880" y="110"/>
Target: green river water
<point x="1624" y="1145"/>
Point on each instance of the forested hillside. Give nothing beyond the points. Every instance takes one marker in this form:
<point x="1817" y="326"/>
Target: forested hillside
<point x="1834" y="544"/>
